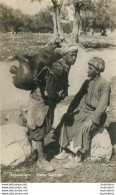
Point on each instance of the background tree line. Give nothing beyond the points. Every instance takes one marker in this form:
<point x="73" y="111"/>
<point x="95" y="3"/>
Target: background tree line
<point x="15" y="21"/>
<point x="96" y="15"/>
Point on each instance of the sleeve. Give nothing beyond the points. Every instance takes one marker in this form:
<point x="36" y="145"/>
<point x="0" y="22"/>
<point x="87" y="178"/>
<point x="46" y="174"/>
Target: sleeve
<point x="80" y="94"/>
<point x="64" y="85"/>
<point x="55" y="82"/>
<point x="103" y="103"/>
<point x="82" y="102"/>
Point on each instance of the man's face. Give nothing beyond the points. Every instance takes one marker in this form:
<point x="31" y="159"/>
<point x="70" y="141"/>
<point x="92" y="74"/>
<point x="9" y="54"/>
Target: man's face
<point x="70" y="58"/>
<point x="92" y="71"/>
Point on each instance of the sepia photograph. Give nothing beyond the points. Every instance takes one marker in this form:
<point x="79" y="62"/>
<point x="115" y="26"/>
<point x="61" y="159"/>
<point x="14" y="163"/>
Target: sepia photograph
<point x="58" y="91"/>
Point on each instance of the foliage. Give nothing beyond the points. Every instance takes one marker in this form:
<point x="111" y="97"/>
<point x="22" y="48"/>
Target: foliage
<point x="42" y="22"/>
<point x="14" y="21"/>
<point x="104" y="14"/>
<point x="5" y="17"/>
<point x="67" y="27"/>
<point x="80" y="4"/>
<point x="97" y="14"/>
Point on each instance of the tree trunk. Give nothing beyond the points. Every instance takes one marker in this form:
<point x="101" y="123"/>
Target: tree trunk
<point x="56" y="20"/>
<point x="77" y="24"/>
<point x="57" y="37"/>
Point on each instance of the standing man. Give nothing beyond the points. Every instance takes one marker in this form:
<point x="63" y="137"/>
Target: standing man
<point x="95" y="95"/>
<point x="52" y="88"/>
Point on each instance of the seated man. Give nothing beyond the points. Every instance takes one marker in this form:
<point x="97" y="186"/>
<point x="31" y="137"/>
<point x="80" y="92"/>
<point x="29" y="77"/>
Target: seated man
<point x="52" y="86"/>
<point x="95" y="96"/>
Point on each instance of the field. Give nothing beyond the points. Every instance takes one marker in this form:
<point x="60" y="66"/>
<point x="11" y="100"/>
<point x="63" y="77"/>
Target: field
<point x="14" y="102"/>
<point x="12" y="44"/>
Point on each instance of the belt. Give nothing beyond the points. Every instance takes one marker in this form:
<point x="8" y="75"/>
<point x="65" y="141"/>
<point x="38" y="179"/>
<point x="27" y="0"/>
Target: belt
<point x="90" y="107"/>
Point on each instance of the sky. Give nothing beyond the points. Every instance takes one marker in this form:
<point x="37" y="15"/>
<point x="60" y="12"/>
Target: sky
<point x="26" y="6"/>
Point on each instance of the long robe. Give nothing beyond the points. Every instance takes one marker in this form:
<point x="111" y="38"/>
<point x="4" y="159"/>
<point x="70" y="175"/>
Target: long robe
<point x="96" y="97"/>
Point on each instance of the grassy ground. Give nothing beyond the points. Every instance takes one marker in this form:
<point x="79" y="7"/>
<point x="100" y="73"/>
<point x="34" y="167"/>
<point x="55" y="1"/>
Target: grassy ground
<point x="87" y="171"/>
<point x="12" y="44"/>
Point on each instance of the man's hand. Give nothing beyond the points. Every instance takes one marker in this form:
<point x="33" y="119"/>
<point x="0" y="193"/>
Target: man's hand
<point x="45" y="93"/>
<point x="87" y="126"/>
<point x="65" y="116"/>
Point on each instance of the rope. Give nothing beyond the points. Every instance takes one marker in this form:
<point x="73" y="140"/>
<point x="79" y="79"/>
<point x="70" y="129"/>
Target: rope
<point x="45" y="68"/>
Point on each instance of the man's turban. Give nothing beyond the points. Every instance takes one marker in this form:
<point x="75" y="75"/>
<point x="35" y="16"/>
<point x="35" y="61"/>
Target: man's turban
<point x="72" y="48"/>
<point x="65" y="50"/>
<point x="98" y="63"/>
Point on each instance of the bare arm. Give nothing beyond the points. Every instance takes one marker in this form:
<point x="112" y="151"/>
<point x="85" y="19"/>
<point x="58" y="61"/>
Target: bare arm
<point x="75" y="102"/>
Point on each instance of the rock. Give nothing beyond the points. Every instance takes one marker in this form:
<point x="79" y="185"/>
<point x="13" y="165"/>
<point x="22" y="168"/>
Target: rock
<point x="101" y="147"/>
<point x="24" y="109"/>
<point x="10" y="58"/>
<point x="59" y="112"/>
<point x="7" y="118"/>
<point x="112" y="132"/>
<point x="15" y="147"/>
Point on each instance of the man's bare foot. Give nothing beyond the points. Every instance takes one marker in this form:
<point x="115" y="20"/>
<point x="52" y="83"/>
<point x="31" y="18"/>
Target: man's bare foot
<point x="74" y="162"/>
<point x="78" y="158"/>
<point x="45" y="165"/>
<point x="62" y="155"/>
<point x="81" y="150"/>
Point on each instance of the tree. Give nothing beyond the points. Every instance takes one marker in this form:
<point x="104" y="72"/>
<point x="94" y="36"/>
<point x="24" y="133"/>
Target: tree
<point x="104" y="14"/>
<point x="11" y="20"/>
<point x="57" y="5"/>
<point x="26" y="20"/>
<point x="5" y="17"/>
<point x="78" y="6"/>
<point x="42" y="22"/>
<point x="16" y="22"/>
